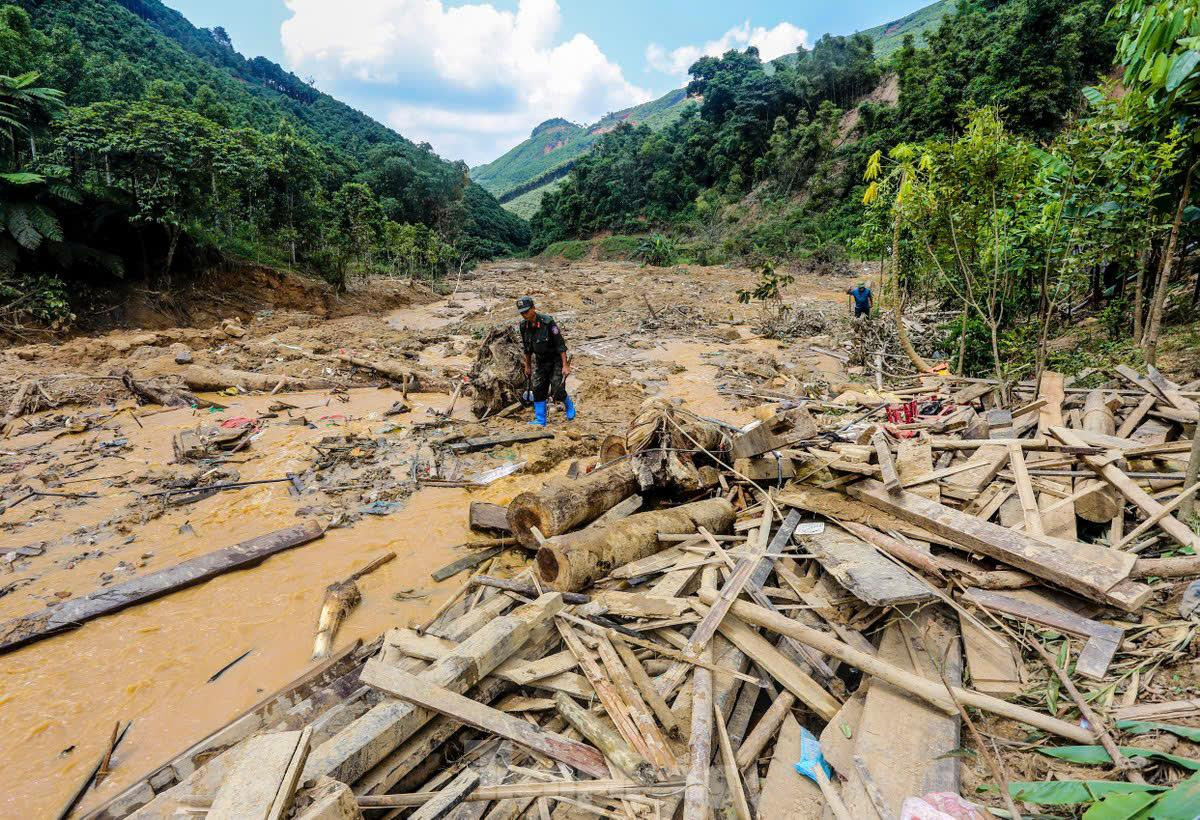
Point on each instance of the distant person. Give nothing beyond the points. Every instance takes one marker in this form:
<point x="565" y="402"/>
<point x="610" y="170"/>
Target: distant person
<point x="545" y="360"/>
<point x="861" y="296"/>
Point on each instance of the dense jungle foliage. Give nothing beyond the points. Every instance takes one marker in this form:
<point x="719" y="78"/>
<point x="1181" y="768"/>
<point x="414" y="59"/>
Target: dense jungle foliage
<point x="1036" y="157"/>
<point x="136" y="144"/>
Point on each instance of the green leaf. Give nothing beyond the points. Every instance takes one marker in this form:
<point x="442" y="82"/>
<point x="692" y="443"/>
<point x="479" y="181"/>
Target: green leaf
<point x="1068" y="792"/>
<point x="1096" y="755"/>
<point x="1181" y="803"/>
<point x="1141" y="727"/>
<point x="1181" y="69"/>
<point x="22" y="229"/>
<point x="1093" y="95"/>
<point x="1120" y="806"/>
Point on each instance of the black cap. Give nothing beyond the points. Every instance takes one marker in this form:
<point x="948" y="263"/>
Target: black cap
<point x="524" y="304"/>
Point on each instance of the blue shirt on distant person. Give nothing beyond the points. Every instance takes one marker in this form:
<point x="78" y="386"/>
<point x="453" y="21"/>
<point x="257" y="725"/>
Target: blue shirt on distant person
<point x="862" y="299"/>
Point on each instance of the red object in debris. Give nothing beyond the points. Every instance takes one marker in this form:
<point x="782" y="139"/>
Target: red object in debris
<point x="333" y="417"/>
<point x="241" y="421"/>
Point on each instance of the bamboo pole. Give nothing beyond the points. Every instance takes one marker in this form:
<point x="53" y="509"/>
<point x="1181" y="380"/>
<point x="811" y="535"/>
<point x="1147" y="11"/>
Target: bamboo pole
<point x="923" y="688"/>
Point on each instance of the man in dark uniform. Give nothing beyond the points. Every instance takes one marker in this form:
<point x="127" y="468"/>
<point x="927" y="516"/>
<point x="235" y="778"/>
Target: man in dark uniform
<point x="545" y="360"/>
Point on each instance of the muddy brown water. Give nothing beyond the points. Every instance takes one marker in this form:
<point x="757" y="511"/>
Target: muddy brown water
<point x="149" y="664"/>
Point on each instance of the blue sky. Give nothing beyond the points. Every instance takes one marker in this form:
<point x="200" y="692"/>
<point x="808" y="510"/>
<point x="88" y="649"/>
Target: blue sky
<point x="473" y="78"/>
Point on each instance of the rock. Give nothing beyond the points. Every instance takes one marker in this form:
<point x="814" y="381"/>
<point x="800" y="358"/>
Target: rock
<point x="233" y="328"/>
<point x="1189" y="606"/>
<point x="181" y="352"/>
<point x="729" y="334"/>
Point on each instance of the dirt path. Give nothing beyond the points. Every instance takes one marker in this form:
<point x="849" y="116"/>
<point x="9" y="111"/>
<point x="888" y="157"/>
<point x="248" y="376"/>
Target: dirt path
<point x="633" y="332"/>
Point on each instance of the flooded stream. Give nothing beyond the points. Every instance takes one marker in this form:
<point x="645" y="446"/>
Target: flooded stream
<point x="150" y="664"/>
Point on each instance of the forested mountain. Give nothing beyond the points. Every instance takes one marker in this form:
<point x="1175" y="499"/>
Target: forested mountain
<point x="165" y="145"/>
<point x="1001" y="172"/>
<point x="524" y="174"/>
<point x="774" y="129"/>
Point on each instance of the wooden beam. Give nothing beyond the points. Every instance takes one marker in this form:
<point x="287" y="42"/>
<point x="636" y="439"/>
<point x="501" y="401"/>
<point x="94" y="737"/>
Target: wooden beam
<point x="420" y="691"/>
<point x="261" y="784"/>
<point x="1086" y="568"/>
<point x="77" y="611"/>
<point x="887" y="465"/>
<point x="1025" y="494"/>
<point x="1102" y="640"/>
<point x="449" y="798"/>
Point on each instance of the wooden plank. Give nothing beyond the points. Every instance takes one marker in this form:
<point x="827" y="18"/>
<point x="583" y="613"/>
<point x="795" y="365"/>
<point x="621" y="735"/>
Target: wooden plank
<point x="787" y="794"/>
<point x="785" y="672"/>
<point x="552" y="672"/>
<point x="906" y="744"/>
<point x="1087" y="568"/>
<point x="639" y="712"/>
<point x="914" y="462"/>
<point x="1133" y="493"/>
<point x="1058" y="521"/>
<point x="996" y="669"/>
<point x="1025" y="494"/>
<point x="466" y="562"/>
<point x="887" y="465"/>
<point x="988" y="461"/>
<point x="765" y="467"/>
<point x="639" y="604"/>
<point x="645" y="685"/>
<point x="733" y="778"/>
<point x="352" y="752"/>
<point x="487" y="516"/>
<point x="1136" y="416"/>
<point x="77" y="611"/>
<point x="1102" y="640"/>
<point x="449" y="798"/>
<point x="260" y="786"/>
<point x="428" y="695"/>
<point x="695" y="795"/>
<point x="471" y="445"/>
<point x="863" y="571"/>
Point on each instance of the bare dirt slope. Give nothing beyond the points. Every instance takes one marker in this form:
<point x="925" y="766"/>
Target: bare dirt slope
<point x="633" y="332"/>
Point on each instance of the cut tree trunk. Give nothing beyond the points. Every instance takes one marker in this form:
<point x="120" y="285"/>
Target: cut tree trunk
<point x="564" y="503"/>
<point x="571" y="562"/>
<point x="1101" y="503"/>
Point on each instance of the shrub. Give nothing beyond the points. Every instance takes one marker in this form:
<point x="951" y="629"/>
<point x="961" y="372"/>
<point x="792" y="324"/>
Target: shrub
<point x="658" y="251"/>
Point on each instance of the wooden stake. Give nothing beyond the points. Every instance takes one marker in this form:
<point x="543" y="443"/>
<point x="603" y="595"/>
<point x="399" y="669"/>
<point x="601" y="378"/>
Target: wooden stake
<point x="733" y="778"/>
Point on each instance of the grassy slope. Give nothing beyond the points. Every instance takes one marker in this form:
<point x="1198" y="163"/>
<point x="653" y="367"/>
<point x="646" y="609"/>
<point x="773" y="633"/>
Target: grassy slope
<point x="890" y="36"/>
<point x="555" y="144"/>
<point x="549" y="156"/>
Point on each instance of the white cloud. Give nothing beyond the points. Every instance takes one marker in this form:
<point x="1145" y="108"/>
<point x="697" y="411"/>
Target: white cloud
<point x="489" y="76"/>
<point x="770" y="42"/>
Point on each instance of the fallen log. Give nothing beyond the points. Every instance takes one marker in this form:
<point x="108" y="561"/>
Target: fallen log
<point x="341" y="597"/>
<point x="571" y="562"/>
<point x="607" y="740"/>
<point x="75" y="612"/>
<point x="214" y="380"/>
<point x="1100" y="503"/>
<point x="563" y="503"/>
<point x="928" y="690"/>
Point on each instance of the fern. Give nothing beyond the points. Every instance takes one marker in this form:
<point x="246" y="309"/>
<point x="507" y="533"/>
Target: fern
<point x="20" y="225"/>
<point x="21" y="178"/>
<point x="46" y="222"/>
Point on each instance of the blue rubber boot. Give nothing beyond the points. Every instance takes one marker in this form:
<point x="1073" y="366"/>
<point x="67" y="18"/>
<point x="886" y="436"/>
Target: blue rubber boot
<point x="539" y="414"/>
<point x="570" y="405"/>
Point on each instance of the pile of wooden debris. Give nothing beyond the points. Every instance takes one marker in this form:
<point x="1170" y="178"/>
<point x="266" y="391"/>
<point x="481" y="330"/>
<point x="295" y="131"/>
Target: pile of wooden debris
<point x="902" y="582"/>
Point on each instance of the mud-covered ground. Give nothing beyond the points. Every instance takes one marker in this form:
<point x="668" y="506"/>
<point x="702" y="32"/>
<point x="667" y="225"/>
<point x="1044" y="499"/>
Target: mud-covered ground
<point x="633" y="332"/>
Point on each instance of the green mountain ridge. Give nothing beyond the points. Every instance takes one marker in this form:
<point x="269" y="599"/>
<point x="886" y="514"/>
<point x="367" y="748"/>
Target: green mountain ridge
<point x="521" y="176"/>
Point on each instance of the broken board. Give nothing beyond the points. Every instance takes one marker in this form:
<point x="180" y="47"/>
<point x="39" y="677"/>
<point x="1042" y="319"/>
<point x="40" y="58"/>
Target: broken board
<point x="864" y="571"/>
<point x="905" y="742"/>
